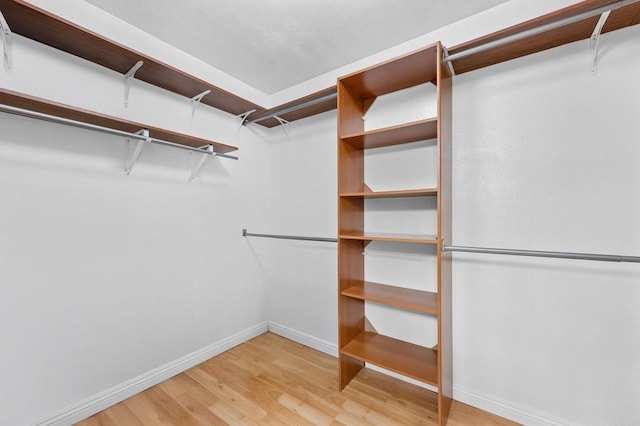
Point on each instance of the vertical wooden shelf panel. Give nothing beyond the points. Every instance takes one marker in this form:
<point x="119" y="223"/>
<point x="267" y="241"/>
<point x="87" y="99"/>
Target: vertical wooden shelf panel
<point x="356" y="92"/>
<point x="445" y="328"/>
<point x="350" y="219"/>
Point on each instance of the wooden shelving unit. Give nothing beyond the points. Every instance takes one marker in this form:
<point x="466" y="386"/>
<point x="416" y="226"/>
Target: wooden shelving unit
<point x="356" y="93"/>
<point x="33" y="103"/>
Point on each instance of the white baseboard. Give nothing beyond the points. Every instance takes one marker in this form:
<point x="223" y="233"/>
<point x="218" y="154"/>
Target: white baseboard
<point x="304" y="338"/>
<point x="507" y="409"/>
<point x="486" y="402"/>
<point x="109" y="397"/>
<point x="103" y="400"/>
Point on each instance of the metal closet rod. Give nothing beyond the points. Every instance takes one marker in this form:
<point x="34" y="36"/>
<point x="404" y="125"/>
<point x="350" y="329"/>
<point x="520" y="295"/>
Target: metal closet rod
<point x="74" y="123"/>
<point x="537" y="253"/>
<point x="295" y="107"/>
<point x="486" y="250"/>
<point x="538" y="30"/>
<point x="289" y="237"/>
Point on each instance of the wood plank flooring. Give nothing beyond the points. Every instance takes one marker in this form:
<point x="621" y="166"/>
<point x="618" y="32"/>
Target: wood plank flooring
<point x="273" y="381"/>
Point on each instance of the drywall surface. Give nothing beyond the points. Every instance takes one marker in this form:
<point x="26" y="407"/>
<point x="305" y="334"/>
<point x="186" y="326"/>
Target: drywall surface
<point x="105" y="276"/>
<point x="545" y="157"/>
<point x="301" y="275"/>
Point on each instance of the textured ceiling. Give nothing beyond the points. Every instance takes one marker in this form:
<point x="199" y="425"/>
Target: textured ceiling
<point x="275" y="44"/>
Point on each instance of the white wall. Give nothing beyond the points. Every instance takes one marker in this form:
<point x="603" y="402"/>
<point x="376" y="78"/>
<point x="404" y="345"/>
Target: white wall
<point x="104" y="276"/>
<point x="545" y="157"/>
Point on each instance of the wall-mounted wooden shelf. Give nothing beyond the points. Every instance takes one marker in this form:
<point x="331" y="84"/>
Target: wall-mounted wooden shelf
<point x="328" y="104"/>
<point x="32" y="103"/>
<point x="619" y="18"/>
<point x="414" y="300"/>
<point x="390" y="237"/>
<point x="405" y="358"/>
<point x="402" y="193"/>
<point x="37" y="24"/>
<point x="394" y="135"/>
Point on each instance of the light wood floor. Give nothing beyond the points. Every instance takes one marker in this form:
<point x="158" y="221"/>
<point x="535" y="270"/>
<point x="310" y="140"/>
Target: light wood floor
<point x="274" y="381"/>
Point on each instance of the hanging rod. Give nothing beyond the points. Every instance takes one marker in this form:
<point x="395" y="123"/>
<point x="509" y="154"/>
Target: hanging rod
<point x="74" y="123"/>
<point x="486" y="250"/>
<point x="295" y="107"/>
<point x="289" y="237"/>
<point x="538" y="30"/>
<point x="537" y="253"/>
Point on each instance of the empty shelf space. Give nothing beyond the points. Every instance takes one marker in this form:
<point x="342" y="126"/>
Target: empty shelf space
<point x="415" y="300"/>
<point x="421" y="192"/>
<point x="416" y="362"/>
<point x="391" y="237"/>
<point x="394" y="135"/>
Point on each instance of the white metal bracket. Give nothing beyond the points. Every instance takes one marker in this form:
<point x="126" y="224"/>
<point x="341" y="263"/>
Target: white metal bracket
<point x="7" y="45"/>
<point x="244" y="116"/>
<point x="133" y="157"/>
<point x="193" y="171"/>
<point x="284" y="123"/>
<point x="127" y="81"/>
<point x="595" y="40"/>
<point x="195" y="101"/>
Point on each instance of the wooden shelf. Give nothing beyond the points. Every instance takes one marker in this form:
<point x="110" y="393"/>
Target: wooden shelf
<point x="37" y="24"/>
<point x="414" y="300"/>
<point x="619" y="18"/>
<point x="299" y="112"/>
<point x="409" y="70"/>
<point x="40" y="25"/>
<point x="20" y="100"/>
<point x="410" y="360"/>
<point x="391" y="237"/>
<point x="394" y="135"/>
<point x="406" y="71"/>
<point x="403" y="193"/>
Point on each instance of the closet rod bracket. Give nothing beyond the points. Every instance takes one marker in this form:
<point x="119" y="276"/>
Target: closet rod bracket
<point x="284" y="123"/>
<point x="127" y="81"/>
<point x="195" y="101"/>
<point x="595" y="40"/>
<point x="245" y="116"/>
<point x="7" y="44"/>
<point x="194" y="171"/>
<point x="131" y="159"/>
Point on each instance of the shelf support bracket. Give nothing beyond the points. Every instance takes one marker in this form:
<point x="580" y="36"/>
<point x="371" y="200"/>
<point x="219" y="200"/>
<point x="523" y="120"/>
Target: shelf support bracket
<point x="131" y="159"/>
<point x="245" y="116"/>
<point x="194" y="171"/>
<point x="284" y="123"/>
<point x="595" y="40"/>
<point x="7" y="43"/>
<point x="195" y="101"/>
<point x="127" y="81"/>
